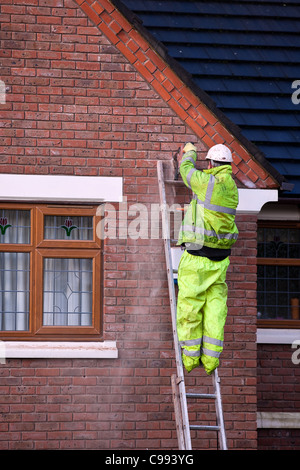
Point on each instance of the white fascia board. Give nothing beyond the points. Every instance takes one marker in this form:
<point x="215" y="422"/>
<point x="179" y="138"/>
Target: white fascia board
<point x="60" y="188"/>
<point x="57" y="349"/>
<point x="252" y="200"/>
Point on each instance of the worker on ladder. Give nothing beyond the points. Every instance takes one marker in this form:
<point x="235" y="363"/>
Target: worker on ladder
<point x="208" y="232"/>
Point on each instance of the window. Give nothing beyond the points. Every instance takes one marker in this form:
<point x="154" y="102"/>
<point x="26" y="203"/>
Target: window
<point x="278" y="274"/>
<point x="50" y="272"/>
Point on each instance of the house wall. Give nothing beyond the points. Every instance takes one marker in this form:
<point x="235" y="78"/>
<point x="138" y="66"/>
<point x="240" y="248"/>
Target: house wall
<point x="278" y="396"/>
<point x="76" y="106"/>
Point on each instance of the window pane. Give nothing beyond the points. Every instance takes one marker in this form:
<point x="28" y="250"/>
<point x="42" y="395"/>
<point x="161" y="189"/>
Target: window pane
<point x="14" y="226"/>
<point x="68" y="294"/>
<point x="14" y="291"/>
<point x="278" y="243"/>
<point x="68" y="228"/>
<point x="278" y="292"/>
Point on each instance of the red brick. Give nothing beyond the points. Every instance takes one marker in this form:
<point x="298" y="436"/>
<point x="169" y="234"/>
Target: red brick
<point x="132" y="45"/>
<point x="258" y="169"/>
<point x="161" y="90"/>
<point x="224" y="133"/>
<point x="196" y="128"/>
<point x="91" y="14"/>
<point x="207" y="114"/>
<point x="108" y="33"/>
<point x="97" y="7"/>
<point x="117" y="124"/>
<point x="121" y="20"/>
<point x="156" y="59"/>
<point x="143" y="71"/>
<point x="126" y="52"/>
<point x="150" y="66"/>
<point x="107" y="5"/>
<point x="178" y="109"/>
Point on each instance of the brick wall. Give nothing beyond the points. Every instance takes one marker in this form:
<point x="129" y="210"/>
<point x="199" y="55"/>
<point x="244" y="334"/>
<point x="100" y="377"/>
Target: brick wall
<point x="277" y="391"/>
<point x="75" y="105"/>
<point x="278" y="379"/>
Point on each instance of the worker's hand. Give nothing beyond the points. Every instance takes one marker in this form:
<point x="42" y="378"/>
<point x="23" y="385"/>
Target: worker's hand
<point x="189" y="146"/>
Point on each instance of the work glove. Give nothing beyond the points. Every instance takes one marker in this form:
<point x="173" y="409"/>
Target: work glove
<point x="189" y="146"/>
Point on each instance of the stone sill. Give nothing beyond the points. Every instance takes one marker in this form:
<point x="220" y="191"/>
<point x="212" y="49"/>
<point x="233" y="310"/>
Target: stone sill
<point x="278" y="420"/>
<point x="277" y="336"/>
<point x="57" y="349"/>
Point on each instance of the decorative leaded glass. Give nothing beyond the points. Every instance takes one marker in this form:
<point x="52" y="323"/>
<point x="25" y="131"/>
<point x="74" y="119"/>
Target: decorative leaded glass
<point x="67" y="298"/>
<point x="278" y="243"/>
<point x="14" y="226"/>
<point x="14" y="291"/>
<point x="278" y="292"/>
<point x="68" y="228"/>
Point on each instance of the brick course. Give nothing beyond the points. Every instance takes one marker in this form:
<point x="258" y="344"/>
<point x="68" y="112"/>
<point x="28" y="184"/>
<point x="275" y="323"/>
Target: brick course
<point x="277" y="391"/>
<point x="87" y="100"/>
<point x="278" y="379"/>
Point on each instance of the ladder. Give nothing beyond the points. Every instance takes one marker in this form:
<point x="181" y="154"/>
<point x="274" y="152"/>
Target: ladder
<point x="179" y="393"/>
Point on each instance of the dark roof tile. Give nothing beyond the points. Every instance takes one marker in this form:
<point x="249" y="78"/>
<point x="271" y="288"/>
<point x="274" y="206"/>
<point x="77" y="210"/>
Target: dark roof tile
<point x="245" y="56"/>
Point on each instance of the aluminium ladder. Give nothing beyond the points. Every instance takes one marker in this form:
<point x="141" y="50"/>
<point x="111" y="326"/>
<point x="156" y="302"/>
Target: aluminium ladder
<point x="178" y="382"/>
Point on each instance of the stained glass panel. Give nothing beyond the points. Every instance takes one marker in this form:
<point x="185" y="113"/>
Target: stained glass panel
<point x="278" y="292"/>
<point x="68" y="292"/>
<point x="14" y="226"/>
<point x="14" y="291"/>
<point x="278" y="243"/>
<point x="68" y="228"/>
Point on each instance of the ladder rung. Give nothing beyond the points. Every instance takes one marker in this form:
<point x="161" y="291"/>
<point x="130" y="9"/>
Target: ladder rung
<point x="200" y="427"/>
<point x="175" y="182"/>
<point x="200" y="395"/>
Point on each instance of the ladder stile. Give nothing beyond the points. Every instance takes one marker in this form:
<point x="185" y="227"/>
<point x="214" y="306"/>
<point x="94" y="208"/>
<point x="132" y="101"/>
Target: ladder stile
<point x="178" y="414"/>
<point x="219" y="410"/>
<point x="166" y="237"/>
<point x="178" y="383"/>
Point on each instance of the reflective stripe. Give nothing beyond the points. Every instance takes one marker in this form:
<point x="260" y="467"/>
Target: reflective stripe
<point x="189" y="159"/>
<point x="208" y="196"/>
<point x="217" y="342"/>
<point x="191" y="342"/>
<point x="208" y="233"/>
<point x="192" y="228"/>
<point x="215" y="208"/>
<point x="188" y="178"/>
<point x="228" y="236"/>
<point x="209" y="190"/>
<point x="191" y="353"/>
<point x="209" y="352"/>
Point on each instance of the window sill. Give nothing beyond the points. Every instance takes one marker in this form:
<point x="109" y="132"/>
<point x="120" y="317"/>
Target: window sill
<point x="278" y="420"/>
<point x="56" y="349"/>
<point x="277" y="335"/>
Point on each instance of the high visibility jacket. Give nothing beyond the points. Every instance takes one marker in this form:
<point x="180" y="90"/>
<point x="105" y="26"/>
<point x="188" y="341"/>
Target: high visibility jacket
<point x="210" y="218"/>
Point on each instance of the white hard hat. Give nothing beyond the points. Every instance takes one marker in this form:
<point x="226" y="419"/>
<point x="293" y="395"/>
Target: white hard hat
<point x="219" y="153"/>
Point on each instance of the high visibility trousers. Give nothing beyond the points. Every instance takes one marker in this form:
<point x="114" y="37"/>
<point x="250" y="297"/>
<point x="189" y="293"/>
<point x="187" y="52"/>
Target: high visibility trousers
<point x="201" y="310"/>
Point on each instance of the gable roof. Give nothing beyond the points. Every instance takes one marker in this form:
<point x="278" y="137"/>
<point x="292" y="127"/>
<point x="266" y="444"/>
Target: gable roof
<point x="245" y="56"/>
<point x="178" y="89"/>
